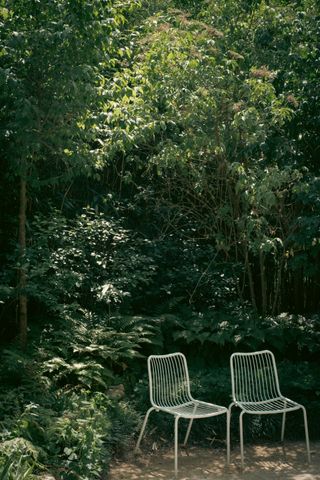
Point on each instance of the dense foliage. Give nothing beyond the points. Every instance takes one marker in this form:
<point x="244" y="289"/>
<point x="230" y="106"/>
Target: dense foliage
<point x="160" y="192"/>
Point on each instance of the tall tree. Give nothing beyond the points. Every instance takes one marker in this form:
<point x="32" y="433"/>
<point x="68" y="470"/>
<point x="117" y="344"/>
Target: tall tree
<point x="54" y="58"/>
<point x="211" y="111"/>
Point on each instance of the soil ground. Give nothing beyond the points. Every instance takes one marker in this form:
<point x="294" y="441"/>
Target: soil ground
<point x="262" y="462"/>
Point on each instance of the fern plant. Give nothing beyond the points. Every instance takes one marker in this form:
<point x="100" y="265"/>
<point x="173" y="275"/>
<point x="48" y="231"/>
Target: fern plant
<point x="91" y="354"/>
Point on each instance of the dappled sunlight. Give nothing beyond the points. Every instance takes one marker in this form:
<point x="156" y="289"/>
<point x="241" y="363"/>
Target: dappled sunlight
<point x="262" y="462"/>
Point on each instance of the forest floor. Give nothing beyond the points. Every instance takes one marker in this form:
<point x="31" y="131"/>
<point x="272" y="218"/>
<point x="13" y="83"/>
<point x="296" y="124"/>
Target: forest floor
<point x="262" y="462"/>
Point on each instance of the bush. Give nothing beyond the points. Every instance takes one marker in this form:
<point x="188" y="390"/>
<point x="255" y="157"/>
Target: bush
<point x="89" y="262"/>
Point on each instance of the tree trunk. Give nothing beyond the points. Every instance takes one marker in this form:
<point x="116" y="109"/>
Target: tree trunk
<point x="276" y="306"/>
<point x="298" y="290"/>
<point x="250" y="277"/>
<point x="22" y="275"/>
<point x="263" y="282"/>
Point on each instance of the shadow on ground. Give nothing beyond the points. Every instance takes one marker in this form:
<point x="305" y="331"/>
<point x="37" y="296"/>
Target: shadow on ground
<point x="262" y="462"/>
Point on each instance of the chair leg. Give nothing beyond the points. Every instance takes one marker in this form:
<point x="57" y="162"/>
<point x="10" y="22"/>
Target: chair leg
<point x="232" y="404"/>
<point x="306" y="433"/>
<point x="228" y="413"/>
<point x="189" y="426"/>
<point x="283" y="424"/>
<point x="143" y="428"/>
<point x="188" y="432"/>
<point x="241" y="439"/>
<point x="176" y="420"/>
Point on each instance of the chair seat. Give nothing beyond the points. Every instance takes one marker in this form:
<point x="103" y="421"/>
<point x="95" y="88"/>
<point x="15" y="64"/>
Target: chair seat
<point x="274" y="405"/>
<point x="202" y="410"/>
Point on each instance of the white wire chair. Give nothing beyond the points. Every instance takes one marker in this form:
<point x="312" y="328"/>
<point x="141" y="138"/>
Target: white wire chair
<point x="256" y="390"/>
<point x="169" y="389"/>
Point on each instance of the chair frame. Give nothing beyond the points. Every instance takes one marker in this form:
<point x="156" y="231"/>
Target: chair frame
<point x="169" y="395"/>
<point x="258" y="394"/>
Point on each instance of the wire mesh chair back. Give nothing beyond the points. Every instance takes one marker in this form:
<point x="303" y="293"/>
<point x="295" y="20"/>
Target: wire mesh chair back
<point x="254" y="377"/>
<point x="169" y="383"/>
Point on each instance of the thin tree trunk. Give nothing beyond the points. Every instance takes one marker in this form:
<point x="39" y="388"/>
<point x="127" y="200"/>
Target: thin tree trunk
<point x="298" y="290"/>
<point x="250" y="277"/>
<point x="278" y="281"/>
<point x="263" y="282"/>
<point x="22" y="275"/>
